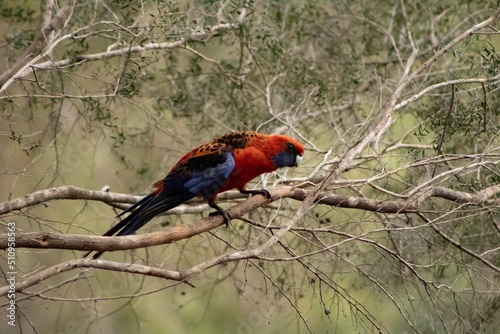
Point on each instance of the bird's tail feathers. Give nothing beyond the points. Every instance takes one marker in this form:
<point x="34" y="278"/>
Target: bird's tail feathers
<point x="137" y="204"/>
<point x="124" y="224"/>
<point x="144" y="210"/>
<point x="136" y="207"/>
<point x="151" y="208"/>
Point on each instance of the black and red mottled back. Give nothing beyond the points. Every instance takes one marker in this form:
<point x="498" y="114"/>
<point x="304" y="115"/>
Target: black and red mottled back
<point x="238" y="139"/>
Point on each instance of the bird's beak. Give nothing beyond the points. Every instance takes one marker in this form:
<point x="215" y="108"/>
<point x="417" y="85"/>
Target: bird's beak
<point x="298" y="159"/>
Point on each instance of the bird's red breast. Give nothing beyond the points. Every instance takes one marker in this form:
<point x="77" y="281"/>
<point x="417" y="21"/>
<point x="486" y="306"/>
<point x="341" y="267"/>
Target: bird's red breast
<point x="254" y="156"/>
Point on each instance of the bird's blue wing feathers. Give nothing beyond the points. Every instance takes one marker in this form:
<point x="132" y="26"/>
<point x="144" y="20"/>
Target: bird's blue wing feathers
<point x="192" y="178"/>
<point x="199" y="175"/>
<point x="207" y="181"/>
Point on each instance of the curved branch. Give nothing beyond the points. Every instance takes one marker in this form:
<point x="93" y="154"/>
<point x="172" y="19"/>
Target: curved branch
<point x="64" y="192"/>
<point x="443" y="84"/>
<point x="99" y="264"/>
<point x="173" y="234"/>
<point x="38" y="43"/>
<point x="457" y="244"/>
<point x="113" y="199"/>
<point x="24" y="71"/>
<point x="100" y="243"/>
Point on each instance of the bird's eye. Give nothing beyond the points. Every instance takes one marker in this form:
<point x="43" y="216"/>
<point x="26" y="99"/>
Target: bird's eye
<point x="290" y="146"/>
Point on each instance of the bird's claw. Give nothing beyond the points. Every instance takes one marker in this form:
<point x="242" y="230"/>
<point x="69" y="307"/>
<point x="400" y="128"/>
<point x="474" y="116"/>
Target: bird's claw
<point x="263" y="192"/>
<point x="227" y="217"/>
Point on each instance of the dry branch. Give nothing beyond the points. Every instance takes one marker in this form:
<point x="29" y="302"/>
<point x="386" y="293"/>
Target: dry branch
<point x="38" y="43"/>
<point x="176" y="233"/>
<point x="24" y="67"/>
<point x="99" y="264"/>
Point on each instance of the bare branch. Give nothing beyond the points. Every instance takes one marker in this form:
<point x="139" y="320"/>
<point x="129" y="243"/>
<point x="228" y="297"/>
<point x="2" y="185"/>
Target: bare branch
<point x="444" y="84"/>
<point x="176" y="233"/>
<point x="99" y="243"/>
<point x="98" y="264"/>
<point x="51" y="64"/>
<point x="458" y="244"/>
<point x="38" y="43"/>
<point x="64" y="192"/>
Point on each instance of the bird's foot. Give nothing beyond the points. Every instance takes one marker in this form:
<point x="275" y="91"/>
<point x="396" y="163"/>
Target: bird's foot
<point x="227" y="217"/>
<point x="253" y="192"/>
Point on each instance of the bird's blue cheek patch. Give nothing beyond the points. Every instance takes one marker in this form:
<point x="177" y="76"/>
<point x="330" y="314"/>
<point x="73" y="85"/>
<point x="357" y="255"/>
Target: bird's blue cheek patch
<point x="284" y="159"/>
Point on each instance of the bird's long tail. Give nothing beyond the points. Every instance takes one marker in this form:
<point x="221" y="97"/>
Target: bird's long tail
<point x="144" y="210"/>
<point x="129" y="224"/>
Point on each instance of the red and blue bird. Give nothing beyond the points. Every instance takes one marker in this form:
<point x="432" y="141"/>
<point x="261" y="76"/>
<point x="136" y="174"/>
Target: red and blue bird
<point x="225" y="163"/>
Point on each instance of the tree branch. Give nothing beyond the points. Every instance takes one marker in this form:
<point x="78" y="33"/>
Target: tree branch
<point x="38" y="43"/>
<point x="458" y="244"/>
<point x="444" y="84"/>
<point x="176" y="233"/>
<point x="23" y="71"/>
<point x="64" y="192"/>
<point x="99" y="264"/>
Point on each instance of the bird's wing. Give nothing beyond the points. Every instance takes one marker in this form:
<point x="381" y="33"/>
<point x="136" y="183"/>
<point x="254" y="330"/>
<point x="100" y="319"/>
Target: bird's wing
<point x="204" y="170"/>
<point x="201" y="172"/>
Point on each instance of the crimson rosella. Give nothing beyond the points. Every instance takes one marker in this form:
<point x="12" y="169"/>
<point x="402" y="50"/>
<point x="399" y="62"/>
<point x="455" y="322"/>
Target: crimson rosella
<point x="225" y="163"/>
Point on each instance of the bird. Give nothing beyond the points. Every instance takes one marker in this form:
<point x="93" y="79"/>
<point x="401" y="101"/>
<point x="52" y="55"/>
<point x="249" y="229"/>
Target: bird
<point x="225" y="163"/>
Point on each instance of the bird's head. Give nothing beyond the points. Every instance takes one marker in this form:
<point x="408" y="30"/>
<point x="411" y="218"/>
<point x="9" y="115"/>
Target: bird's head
<point x="287" y="152"/>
